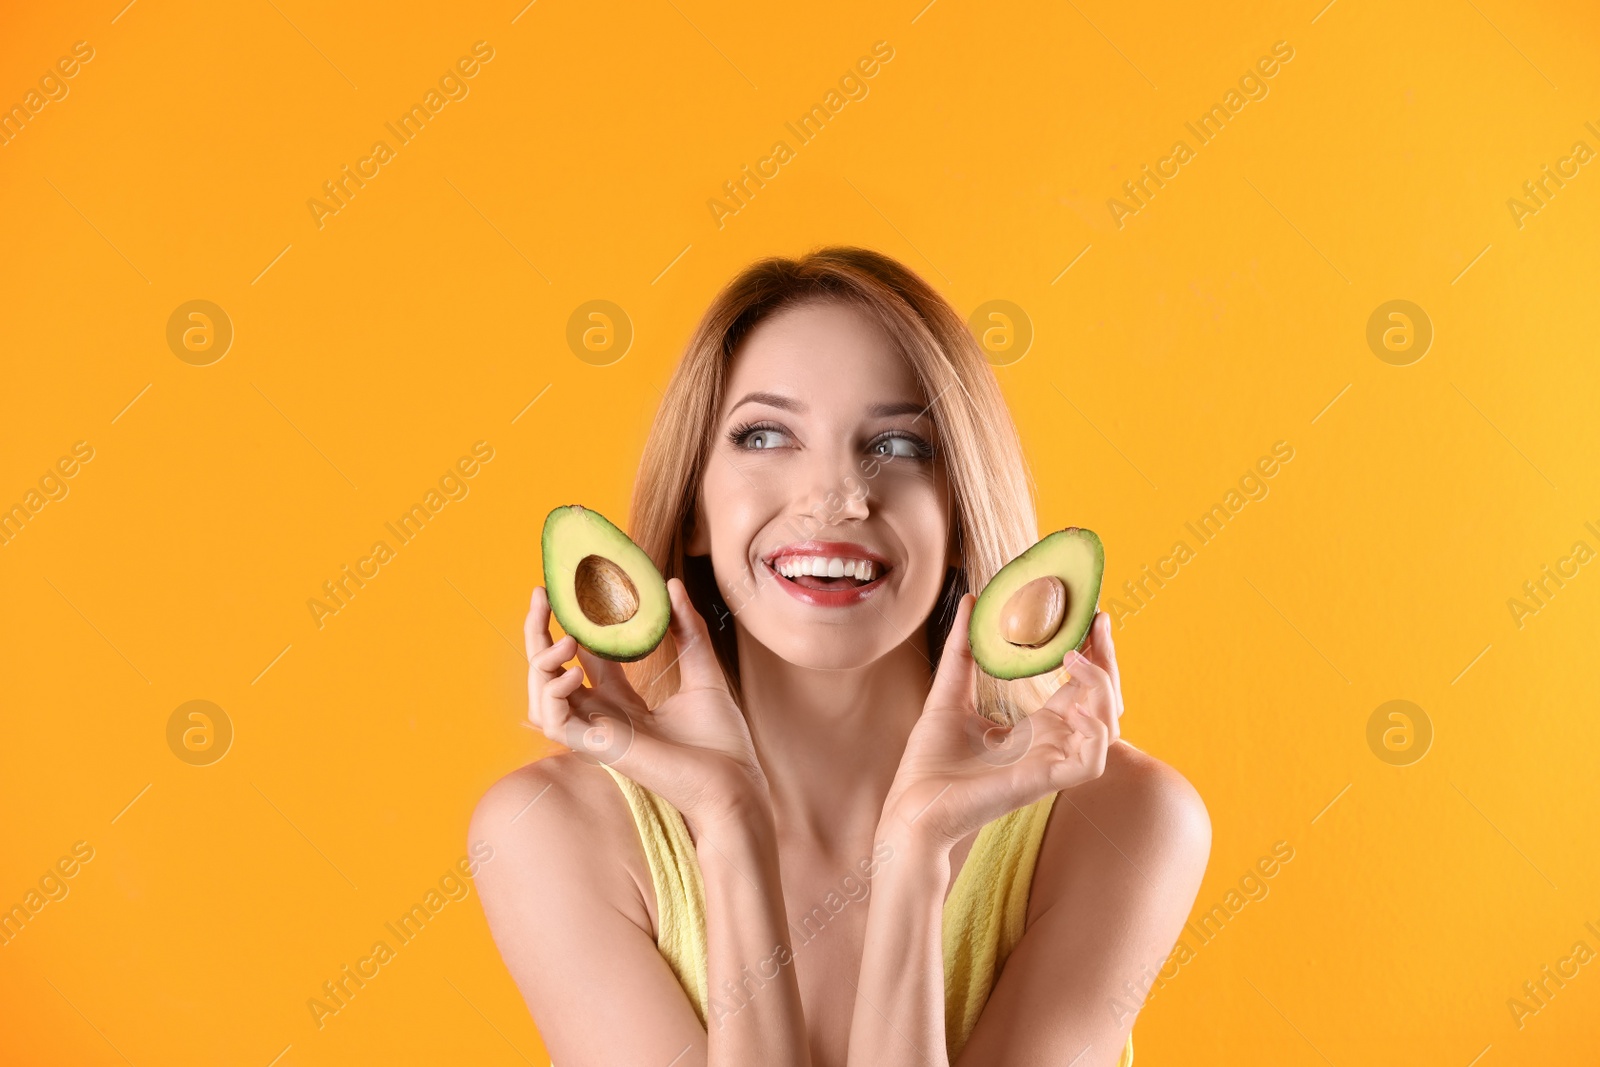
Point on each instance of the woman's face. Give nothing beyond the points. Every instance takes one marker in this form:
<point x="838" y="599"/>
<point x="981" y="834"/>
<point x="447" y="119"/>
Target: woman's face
<point x="824" y="450"/>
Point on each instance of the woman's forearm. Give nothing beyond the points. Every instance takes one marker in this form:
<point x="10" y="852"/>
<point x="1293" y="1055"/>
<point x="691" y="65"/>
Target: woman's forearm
<point x="753" y="1011"/>
<point x="899" y="1010"/>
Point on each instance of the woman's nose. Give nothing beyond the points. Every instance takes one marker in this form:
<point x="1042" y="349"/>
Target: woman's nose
<point x="838" y="489"/>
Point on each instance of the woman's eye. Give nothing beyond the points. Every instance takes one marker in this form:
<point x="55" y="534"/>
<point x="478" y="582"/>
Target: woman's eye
<point x="763" y="438"/>
<point x="766" y="438"/>
<point x="756" y="438"/>
<point x="900" y="446"/>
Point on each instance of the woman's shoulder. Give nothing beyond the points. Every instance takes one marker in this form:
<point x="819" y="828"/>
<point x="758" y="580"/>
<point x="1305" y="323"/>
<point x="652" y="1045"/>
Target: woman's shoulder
<point x="1140" y="821"/>
<point x="1138" y="792"/>
<point x="561" y="825"/>
<point x="560" y="781"/>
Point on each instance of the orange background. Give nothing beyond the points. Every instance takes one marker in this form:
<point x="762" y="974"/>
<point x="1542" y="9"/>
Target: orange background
<point x="371" y="353"/>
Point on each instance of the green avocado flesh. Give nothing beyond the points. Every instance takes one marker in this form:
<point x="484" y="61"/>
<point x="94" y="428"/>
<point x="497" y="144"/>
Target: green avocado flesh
<point x="1073" y="555"/>
<point x="603" y="589"/>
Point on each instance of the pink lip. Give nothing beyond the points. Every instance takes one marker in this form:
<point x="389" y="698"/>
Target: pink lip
<point x="840" y="598"/>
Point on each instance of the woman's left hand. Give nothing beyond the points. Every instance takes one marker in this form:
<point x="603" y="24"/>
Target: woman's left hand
<point x="960" y="770"/>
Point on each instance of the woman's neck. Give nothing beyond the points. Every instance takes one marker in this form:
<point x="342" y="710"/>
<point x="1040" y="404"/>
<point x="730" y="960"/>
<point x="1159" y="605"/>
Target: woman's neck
<point x="830" y="741"/>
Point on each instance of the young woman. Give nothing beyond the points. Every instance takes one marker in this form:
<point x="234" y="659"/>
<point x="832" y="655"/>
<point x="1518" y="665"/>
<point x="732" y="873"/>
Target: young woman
<point x="690" y="885"/>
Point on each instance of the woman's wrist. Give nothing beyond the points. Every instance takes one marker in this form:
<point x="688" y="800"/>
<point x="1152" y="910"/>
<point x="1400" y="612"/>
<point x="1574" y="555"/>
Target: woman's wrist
<point x="907" y="834"/>
<point x="741" y="819"/>
<point x="910" y="827"/>
<point x="727" y="799"/>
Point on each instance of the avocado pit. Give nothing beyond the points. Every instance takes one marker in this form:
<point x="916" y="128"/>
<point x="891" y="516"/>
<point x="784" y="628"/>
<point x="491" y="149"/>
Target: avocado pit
<point x="1033" y="614"/>
<point x="605" y="593"/>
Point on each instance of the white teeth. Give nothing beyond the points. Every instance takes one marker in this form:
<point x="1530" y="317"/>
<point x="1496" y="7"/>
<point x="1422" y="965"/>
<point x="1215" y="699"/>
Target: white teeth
<point x="826" y="567"/>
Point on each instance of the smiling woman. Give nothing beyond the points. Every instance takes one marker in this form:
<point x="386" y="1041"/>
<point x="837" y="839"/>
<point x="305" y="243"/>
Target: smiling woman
<point x="831" y="473"/>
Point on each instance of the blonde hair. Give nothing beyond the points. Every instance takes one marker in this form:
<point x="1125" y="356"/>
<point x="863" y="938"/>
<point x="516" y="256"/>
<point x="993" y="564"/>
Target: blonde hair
<point x="982" y="453"/>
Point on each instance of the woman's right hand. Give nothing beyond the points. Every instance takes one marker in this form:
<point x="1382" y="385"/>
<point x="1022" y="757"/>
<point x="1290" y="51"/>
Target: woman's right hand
<point x="695" y="750"/>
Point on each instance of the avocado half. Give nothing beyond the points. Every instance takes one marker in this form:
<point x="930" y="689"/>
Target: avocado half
<point x="604" y="590"/>
<point x="1020" y="604"/>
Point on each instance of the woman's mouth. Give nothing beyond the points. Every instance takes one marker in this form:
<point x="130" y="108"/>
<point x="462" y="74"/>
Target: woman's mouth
<point x="828" y="581"/>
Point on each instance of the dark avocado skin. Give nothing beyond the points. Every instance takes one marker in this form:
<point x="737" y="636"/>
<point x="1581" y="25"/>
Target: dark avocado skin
<point x="998" y="658"/>
<point x="569" y="615"/>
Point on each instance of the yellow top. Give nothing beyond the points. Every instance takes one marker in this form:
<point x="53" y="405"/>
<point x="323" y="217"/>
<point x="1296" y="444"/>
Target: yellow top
<point x="984" y="914"/>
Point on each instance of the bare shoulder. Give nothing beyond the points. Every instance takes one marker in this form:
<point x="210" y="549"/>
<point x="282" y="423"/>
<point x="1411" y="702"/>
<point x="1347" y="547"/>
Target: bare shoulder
<point x="1139" y="825"/>
<point x="565" y="904"/>
<point x="560" y="826"/>
<point x="1143" y="797"/>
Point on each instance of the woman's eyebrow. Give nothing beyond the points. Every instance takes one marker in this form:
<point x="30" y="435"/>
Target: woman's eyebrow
<point x="900" y="407"/>
<point x="778" y="400"/>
